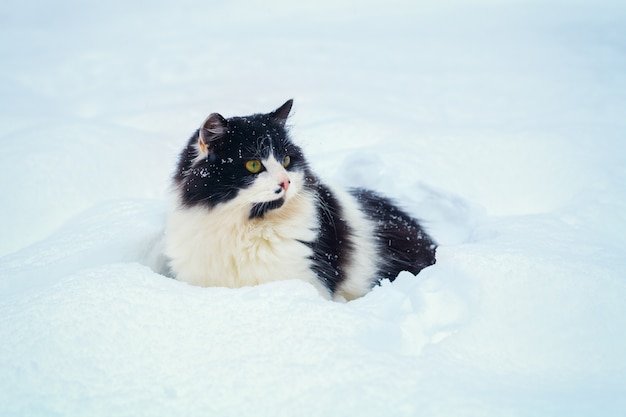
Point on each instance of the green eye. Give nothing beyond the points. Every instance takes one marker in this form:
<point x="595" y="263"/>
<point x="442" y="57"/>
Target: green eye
<point x="254" y="166"/>
<point x="286" y="161"/>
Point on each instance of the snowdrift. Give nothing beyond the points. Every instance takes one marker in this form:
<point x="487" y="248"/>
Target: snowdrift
<point x="499" y="125"/>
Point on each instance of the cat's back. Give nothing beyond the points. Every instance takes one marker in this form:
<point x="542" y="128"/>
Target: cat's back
<point x="365" y="237"/>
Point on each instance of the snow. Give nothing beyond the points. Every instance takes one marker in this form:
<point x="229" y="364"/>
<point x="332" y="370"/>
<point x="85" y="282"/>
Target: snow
<point x="499" y="124"/>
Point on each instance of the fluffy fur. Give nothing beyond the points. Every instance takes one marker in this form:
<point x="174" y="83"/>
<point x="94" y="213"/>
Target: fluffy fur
<point x="231" y="225"/>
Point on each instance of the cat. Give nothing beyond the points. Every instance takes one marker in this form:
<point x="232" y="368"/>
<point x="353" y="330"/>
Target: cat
<point x="247" y="209"/>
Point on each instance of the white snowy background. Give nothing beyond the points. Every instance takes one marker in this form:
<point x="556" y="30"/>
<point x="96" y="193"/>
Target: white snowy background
<point x="501" y="124"/>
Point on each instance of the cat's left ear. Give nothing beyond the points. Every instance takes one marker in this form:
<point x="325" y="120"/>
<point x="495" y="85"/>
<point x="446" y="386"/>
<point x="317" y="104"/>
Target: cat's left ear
<point x="211" y="130"/>
<point x="282" y="113"/>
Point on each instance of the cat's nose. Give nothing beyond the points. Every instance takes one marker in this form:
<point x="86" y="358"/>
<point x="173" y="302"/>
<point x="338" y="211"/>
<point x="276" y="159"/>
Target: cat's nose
<point x="283" y="186"/>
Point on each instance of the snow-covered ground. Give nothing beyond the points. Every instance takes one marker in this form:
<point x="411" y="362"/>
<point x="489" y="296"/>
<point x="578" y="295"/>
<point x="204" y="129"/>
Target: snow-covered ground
<point x="500" y="124"/>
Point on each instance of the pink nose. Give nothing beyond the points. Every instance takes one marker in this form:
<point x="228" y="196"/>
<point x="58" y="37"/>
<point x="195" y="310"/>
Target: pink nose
<point x="285" y="184"/>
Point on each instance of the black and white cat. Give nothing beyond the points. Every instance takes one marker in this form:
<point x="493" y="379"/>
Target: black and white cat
<point x="248" y="209"/>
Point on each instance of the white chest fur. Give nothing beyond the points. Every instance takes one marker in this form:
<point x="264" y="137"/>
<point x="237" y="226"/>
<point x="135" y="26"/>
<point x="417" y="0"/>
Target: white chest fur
<point x="222" y="247"/>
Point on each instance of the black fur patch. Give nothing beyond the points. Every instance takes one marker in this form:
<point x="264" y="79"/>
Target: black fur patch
<point x="259" y="209"/>
<point x="220" y="176"/>
<point x="333" y="249"/>
<point x="403" y="244"/>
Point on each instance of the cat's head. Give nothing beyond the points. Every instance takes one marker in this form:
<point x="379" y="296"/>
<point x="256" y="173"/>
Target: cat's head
<point x="250" y="159"/>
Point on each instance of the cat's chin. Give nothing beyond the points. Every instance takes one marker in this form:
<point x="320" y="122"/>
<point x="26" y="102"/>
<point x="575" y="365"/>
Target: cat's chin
<point x="259" y="209"/>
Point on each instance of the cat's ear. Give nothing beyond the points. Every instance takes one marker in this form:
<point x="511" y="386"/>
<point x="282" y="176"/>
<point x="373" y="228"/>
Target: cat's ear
<point x="282" y="113"/>
<point x="211" y="130"/>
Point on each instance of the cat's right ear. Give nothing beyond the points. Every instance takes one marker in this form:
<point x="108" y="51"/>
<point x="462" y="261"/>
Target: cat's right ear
<point x="282" y="113"/>
<point x="211" y="130"/>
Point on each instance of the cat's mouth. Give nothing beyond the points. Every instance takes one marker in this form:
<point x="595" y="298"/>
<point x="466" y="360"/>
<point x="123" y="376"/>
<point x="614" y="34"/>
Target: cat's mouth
<point x="259" y="209"/>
